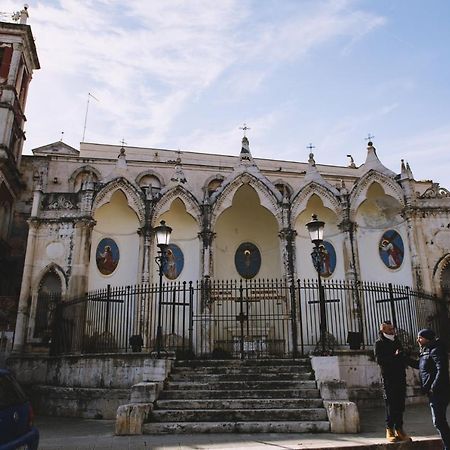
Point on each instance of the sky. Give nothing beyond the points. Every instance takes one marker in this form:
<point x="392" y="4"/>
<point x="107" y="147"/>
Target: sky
<point x="188" y="74"/>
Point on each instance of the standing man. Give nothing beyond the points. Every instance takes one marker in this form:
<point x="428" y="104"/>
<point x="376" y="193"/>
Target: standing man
<point x="433" y="371"/>
<point x="391" y="359"/>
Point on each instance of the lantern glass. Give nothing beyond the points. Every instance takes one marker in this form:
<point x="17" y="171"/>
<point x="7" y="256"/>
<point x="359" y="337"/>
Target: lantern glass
<point x="315" y="230"/>
<point x="162" y="234"/>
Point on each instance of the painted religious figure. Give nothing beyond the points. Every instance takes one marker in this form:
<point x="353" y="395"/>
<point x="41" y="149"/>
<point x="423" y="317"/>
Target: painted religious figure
<point x="328" y="259"/>
<point x="107" y="256"/>
<point x="247" y="260"/>
<point x="174" y="263"/>
<point x="391" y="249"/>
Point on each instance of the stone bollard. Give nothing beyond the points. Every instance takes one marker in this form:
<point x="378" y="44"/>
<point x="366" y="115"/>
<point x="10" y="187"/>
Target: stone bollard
<point x="130" y="418"/>
<point x="343" y="416"/>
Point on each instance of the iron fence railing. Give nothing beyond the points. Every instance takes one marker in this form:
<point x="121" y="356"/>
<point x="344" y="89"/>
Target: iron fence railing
<point x="240" y="318"/>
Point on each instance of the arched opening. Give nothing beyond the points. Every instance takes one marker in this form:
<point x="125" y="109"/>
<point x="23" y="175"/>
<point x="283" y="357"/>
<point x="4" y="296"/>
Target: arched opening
<point x="246" y="222"/>
<point x="48" y="296"/>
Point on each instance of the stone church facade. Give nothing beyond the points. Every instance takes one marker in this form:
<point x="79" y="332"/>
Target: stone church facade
<point x="76" y="221"/>
<point x="380" y="226"/>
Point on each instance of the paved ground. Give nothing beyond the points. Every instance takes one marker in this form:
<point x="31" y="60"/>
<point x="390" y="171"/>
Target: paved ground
<point x="84" y="434"/>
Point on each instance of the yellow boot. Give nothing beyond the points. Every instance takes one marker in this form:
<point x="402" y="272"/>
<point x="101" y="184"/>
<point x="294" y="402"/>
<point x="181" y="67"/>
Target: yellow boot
<point x="402" y="436"/>
<point x="390" y="435"/>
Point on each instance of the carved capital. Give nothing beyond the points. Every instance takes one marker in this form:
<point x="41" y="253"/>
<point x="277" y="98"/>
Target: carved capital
<point x="347" y="225"/>
<point x="207" y="237"/>
<point x="288" y="234"/>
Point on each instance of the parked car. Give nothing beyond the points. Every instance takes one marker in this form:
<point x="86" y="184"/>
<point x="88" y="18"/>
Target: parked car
<point x="16" y="416"/>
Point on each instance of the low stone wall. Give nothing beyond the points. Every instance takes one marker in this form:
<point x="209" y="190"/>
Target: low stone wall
<point x="90" y="386"/>
<point x="96" y="371"/>
<point x="361" y="378"/>
<point x="90" y="403"/>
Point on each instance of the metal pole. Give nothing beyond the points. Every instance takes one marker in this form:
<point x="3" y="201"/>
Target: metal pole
<point x="159" y="328"/>
<point x="323" y="314"/>
<point x="317" y="260"/>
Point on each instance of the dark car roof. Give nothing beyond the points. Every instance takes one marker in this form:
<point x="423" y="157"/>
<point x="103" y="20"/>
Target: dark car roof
<point x="5" y="372"/>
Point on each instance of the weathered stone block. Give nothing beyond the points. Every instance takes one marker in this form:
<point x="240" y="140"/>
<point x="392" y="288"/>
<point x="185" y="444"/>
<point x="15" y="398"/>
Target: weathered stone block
<point x="333" y="390"/>
<point x="343" y="417"/>
<point x="130" y="418"/>
<point x="145" y="392"/>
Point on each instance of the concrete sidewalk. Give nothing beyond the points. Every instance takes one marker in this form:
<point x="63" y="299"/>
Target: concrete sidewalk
<point x="84" y="434"/>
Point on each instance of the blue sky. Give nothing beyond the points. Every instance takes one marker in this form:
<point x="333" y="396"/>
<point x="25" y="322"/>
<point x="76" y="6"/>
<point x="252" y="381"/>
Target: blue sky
<point x="186" y="74"/>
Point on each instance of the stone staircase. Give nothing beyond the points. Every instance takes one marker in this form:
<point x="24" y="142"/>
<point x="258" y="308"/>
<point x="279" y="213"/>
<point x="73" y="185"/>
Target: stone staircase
<point x="249" y="396"/>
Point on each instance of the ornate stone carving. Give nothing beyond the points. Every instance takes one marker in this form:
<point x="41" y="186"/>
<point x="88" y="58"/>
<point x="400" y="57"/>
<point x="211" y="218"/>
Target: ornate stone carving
<point x="52" y="202"/>
<point x="435" y="191"/>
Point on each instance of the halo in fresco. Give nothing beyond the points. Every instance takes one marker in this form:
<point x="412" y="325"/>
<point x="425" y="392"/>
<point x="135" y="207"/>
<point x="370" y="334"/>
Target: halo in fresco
<point x="107" y="256"/>
<point x="391" y="249"/>
<point x="174" y="263"/>
<point x="247" y="260"/>
<point x="328" y="259"/>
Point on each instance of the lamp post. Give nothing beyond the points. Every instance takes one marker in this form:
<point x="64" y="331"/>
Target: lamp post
<point x="162" y="233"/>
<point x="315" y="229"/>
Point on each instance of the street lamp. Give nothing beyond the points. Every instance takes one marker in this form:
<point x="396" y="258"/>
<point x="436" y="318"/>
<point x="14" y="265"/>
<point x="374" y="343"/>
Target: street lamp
<point x="315" y="229"/>
<point x="162" y="233"/>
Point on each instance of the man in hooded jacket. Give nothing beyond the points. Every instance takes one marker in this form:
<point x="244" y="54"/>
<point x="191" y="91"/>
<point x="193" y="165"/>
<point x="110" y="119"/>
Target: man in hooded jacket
<point x="434" y="378"/>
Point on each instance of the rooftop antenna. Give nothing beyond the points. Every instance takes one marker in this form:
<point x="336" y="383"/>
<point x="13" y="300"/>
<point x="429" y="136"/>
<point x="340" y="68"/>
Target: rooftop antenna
<point x="86" y="116"/>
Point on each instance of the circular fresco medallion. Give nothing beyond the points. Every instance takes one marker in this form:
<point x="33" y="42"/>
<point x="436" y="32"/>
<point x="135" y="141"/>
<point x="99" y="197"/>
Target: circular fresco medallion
<point x="174" y="263"/>
<point x="247" y="260"/>
<point x="328" y="259"/>
<point x="391" y="249"/>
<point x="107" y="256"/>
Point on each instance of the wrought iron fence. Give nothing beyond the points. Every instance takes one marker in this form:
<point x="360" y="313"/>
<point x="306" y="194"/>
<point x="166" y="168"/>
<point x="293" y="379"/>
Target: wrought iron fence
<point x="240" y="318"/>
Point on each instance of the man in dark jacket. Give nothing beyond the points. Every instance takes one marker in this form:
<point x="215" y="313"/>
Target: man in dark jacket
<point x="391" y="359"/>
<point x="433" y="371"/>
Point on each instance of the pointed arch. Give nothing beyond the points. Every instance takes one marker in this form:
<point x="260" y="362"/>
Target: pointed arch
<point x="300" y="201"/>
<point x="189" y="200"/>
<point x="51" y="268"/>
<point x="359" y="191"/>
<point x="269" y="197"/>
<point x="133" y="194"/>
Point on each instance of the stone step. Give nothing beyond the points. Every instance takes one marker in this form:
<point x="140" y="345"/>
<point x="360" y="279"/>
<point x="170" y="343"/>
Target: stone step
<point x="237" y="427"/>
<point x="242" y="385"/>
<point x="203" y="378"/>
<point x="243" y="370"/>
<point x="238" y="415"/>
<point x="244" y="393"/>
<point x="242" y="362"/>
<point x="239" y="403"/>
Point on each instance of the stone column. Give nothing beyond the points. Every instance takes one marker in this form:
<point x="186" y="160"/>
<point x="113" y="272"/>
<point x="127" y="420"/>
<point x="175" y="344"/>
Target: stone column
<point x="23" y="311"/>
<point x="287" y="236"/>
<point x="15" y="63"/>
<point x="80" y="267"/>
<point x="351" y="262"/>
<point x="206" y="236"/>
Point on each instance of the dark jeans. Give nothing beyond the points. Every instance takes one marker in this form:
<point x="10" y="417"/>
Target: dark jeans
<point x="394" y="395"/>
<point x="438" y="405"/>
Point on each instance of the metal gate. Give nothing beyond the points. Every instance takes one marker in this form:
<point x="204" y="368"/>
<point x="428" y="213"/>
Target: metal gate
<point x="245" y="319"/>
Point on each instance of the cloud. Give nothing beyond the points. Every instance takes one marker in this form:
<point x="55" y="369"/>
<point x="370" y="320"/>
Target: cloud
<point x="148" y="62"/>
